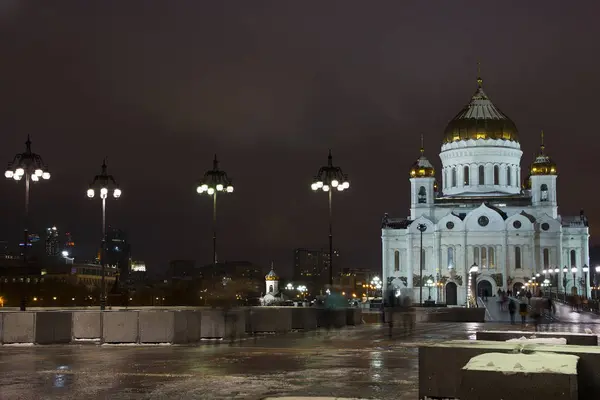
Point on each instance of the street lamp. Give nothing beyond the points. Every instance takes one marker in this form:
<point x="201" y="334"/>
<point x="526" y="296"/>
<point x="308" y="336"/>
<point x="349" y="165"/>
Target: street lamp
<point x="574" y="271"/>
<point x="106" y="185"/>
<point x="215" y="181"/>
<point x="473" y="283"/>
<point x="585" y="270"/>
<point x="31" y="166"/>
<point x="597" y="272"/>
<point x="422" y="228"/>
<point x="302" y="289"/>
<point x="376" y="283"/>
<point x="327" y="179"/>
<point x="565" y="270"/>
<point x="429" y="285"/>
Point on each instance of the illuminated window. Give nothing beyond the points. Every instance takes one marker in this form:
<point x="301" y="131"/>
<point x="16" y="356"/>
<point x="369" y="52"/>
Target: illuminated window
<point x="544" y="192"/>
<point x="481" y="175"/>
<point x="496" y="175"/>
<point x="396" y="260"/>
<point x="517" y="257"/>
<point x="422" y="195"/>
<point x="466" y="176"/>
<point x="546" y="258"/>
<point x="450" y="257"/>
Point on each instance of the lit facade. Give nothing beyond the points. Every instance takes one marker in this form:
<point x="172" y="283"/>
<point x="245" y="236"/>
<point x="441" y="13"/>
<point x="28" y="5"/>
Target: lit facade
<point x="483" y="215"/>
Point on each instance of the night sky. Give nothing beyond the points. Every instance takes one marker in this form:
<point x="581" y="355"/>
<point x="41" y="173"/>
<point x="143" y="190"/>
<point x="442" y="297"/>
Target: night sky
<point x="160" y="86"/>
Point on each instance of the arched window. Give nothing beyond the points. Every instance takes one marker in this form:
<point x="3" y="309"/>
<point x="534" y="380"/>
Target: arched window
<point x="453" y="177"/>
<point x="484" y="257"/>
<point x="544" y="192"/>
<point x="450" y="257"/>
<point x="496" y="175"/>
<point x="508" y="176"/>
<point x="517" y="257"/>
<point x="476" y="256"/>
<point x="481" y="175"/>
<point x="491" y="260"/>
<point x="573" y="259"/>
<point x="466" y="182"/>
<point x="396" y="260"/>
<point x="422" y="195"/>
<point x="270" y="288"/>
<point x="546" y="258"/>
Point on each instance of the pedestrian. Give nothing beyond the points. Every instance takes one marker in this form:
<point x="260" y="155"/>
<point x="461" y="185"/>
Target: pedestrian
<point x="512" y="308"/>
<point x="523" y="312"/>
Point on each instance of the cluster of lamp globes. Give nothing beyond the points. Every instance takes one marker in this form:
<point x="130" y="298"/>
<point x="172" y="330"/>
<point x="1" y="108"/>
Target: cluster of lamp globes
<point x="341" y="186"/>
<point x="104" y="193"/>
<point x="19" y="172"/>
<point x="301" y="288"/>
<point x="211" y="190"/>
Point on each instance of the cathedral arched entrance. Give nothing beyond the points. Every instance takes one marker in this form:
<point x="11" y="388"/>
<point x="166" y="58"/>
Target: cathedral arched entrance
<point x="517" y="288"/>
<point x="451" y="294"/>
<point x="484" y="288"/>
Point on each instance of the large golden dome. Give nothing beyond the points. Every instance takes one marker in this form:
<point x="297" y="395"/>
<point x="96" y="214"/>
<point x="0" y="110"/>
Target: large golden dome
<point x="543" y="164"/>
<point x="480" y="119"/>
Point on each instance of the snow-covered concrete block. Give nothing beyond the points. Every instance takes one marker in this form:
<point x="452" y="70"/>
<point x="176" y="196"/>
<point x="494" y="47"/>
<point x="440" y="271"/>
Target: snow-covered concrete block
<point x="498" y="376"/>
<point x="157" y="326"/>
<point x="582" y="339"/>
<point x="534" y="340"/>
<point x="53" y="327"/>
<point x="87" y="325"/>
<point x="18" y="327"/>
<point x="304" y="318"/>
<point x="120" y="326"/>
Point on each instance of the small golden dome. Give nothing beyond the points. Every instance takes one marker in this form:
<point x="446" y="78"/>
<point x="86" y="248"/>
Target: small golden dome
<point x="480" y="119"/>
<point x="543" y="164"/>
<point x="422" y="168"/>
<point x="271" y="276"/>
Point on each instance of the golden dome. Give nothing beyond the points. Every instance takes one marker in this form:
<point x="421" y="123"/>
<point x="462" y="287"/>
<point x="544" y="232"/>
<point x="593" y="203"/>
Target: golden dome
<point x="271" y="276"/>
<point x="422" y="168"/>
<point x="480" y="119"/>
<point x="543" y="164"/>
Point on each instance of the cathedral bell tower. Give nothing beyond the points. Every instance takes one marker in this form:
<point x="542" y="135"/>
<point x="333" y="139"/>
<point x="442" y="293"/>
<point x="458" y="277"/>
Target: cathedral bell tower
<point x="422" y="186"/>
<point x="543" y="183"/>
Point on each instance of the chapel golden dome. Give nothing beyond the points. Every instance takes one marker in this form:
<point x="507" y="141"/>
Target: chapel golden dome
<point x="480" y="119"/>
<point x="422" y="168"/>
<point x="543" y="164"/>
<point x="271" y="276"/>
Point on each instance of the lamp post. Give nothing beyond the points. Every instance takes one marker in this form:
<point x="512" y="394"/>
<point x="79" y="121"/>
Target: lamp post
<point x="214" y="181"/>
<point x="574" y="272"/>
<point x="596" y="273"/>
<point x="429" y="285"/>
<point x="565" y="270"/>
<point x="376" y="284"/>
<point x="105" y="184"/>
<point x="327" y="179"/>
<point x="473" y="282"/>
<point x="422" y="228"/>
<point x="31" y="166"/>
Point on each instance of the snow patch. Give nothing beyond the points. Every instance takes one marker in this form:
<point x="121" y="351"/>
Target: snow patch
<point x="136" y="344"/>
<point x="19" y="344"/>
<point x="90" y="340"/>
<point x="524" y="363"/>
<point x="537" y="340"/>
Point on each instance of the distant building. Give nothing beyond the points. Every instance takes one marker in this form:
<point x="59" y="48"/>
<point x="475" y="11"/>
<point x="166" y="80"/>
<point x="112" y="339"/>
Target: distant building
<point x="118" y="252"/>
<point x="52" y="242"/>
<point x="353" y="281"/>
<point x="311" y="266"/>
<point x="183" y="270"/>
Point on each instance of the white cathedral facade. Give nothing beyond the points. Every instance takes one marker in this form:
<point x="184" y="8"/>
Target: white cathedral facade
<point x="483" y="216"/>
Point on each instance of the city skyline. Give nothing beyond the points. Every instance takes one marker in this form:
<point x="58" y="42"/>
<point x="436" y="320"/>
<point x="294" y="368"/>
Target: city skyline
<point x="359" y="81"/>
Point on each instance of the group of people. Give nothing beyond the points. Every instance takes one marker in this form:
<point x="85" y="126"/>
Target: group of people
<point x="537" y="308"/>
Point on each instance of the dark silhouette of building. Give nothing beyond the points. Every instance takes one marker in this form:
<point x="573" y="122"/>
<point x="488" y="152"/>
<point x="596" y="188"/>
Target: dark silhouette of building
<point x="183" y="270"/>
<point x="118" y="252"/>
<point x="311" y="266"/>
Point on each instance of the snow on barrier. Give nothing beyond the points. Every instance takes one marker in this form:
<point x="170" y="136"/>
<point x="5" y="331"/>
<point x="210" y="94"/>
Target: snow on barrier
<point x="581" y="339"/>
<point x="442" y="380"/>
<point x="497" y="376"/>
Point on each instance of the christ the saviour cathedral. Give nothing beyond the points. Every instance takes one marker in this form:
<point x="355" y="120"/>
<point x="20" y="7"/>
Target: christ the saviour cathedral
<point x="484" y="223"/>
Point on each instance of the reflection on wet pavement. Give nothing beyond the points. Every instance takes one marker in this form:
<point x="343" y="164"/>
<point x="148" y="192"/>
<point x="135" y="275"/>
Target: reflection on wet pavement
<point x="353" y="362"/>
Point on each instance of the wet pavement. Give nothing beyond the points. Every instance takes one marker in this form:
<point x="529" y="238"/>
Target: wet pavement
<point x="361" y="362"/>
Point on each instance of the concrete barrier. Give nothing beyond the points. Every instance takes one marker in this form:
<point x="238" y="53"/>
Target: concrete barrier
<point x="580" y="339"/>
<point x="442" y="379"/>
<point x="120" y="326"/>
<point x="18" y="327"/>
<point x="87" y="325"/>
<point x="186" y="326"/>
<point x="494" y="376"/>
<point x="219" y="324"/>
<point x="304" y="318"/>
<point x="53" y="327"/>
<point x="353" y="316"/>
<point x="335" y="318"/>
<point x="156" y="326"/>
<point x="269" y="319"/>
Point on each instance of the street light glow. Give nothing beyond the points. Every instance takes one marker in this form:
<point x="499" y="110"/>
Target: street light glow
<point x="90" y="193"/>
